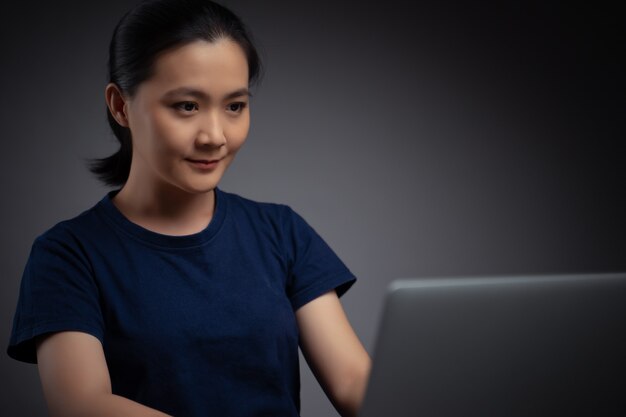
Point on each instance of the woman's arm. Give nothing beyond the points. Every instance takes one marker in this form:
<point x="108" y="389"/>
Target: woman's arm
<point x="334" y="353"/>
<point x="76" y="381"/>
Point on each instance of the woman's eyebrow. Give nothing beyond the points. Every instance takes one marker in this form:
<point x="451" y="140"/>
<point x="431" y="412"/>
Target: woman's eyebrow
<point x="190" y="91"/>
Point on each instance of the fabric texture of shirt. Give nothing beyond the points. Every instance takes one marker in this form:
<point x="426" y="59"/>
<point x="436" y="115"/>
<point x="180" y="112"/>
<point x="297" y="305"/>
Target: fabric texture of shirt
<point x="195" y="325"/>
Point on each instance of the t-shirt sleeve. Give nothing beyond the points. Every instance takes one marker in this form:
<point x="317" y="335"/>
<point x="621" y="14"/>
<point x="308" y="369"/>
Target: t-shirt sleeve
<point x="314" y="268"/>
<point x="57" y="293"/>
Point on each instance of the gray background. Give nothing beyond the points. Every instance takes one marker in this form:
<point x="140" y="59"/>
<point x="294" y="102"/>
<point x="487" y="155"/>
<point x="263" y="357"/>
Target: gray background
<point x="429" y="139"/>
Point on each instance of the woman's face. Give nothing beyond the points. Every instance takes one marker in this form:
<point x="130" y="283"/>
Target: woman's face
<point x="191" y="117"/>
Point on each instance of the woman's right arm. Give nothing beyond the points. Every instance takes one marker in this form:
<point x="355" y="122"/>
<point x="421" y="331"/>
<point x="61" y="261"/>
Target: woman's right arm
<point x="76" y="381"/>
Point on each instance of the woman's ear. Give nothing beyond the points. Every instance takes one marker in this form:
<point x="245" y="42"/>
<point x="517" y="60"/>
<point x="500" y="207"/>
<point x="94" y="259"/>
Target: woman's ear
<point x="116" y="102"/>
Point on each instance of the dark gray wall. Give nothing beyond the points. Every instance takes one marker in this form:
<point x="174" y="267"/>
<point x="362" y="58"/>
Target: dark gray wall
<point x="419" y="140"/>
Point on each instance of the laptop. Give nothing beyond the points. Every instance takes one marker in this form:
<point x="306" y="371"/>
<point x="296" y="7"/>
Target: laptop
<point x="501" y="346"/>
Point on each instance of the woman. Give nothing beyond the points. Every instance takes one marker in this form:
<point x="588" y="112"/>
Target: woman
<point x="171" y="296"/>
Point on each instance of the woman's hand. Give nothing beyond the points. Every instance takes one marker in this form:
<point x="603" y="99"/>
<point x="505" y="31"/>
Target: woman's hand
<point x="334" y="353"/>
<point x="76" y="380"/>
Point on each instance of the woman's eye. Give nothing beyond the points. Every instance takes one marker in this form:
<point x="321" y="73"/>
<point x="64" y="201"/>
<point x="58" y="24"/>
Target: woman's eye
<point x="186" y="106"/>
<point x="236" y="107"/>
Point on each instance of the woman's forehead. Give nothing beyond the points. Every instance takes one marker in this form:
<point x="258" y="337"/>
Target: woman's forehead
<point x="212" y="66"/>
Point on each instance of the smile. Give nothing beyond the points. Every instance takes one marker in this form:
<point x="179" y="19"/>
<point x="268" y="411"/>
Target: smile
<point x="204" y="164"/>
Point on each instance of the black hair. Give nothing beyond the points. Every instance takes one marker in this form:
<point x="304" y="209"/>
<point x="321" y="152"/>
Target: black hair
<point x="149" y="28"/>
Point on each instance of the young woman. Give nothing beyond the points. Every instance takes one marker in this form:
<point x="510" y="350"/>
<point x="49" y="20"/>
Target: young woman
<point x="171" y="296"/>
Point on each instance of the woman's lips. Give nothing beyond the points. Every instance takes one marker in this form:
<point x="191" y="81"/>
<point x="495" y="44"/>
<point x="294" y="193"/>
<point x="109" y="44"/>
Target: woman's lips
<point x="204" y="164"/>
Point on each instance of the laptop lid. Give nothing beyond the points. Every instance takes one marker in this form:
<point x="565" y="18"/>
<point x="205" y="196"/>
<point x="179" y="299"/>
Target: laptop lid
<point x="501" y="346"/>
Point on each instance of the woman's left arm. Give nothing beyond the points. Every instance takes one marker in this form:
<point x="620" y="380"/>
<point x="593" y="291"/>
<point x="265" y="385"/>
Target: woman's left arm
<point x="334" y="352"/>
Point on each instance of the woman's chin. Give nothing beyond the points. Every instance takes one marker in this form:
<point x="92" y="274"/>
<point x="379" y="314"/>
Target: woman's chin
<point x="202" y="188"/>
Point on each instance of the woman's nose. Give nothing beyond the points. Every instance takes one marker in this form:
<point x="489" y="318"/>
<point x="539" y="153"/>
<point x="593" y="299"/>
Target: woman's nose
<point x="211" y="133"/>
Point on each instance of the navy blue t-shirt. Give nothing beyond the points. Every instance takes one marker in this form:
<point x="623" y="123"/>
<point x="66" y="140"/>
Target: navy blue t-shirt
<point x="195" y="325"/>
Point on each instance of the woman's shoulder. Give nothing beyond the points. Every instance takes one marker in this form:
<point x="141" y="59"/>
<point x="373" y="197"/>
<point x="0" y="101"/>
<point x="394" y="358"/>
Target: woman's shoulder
<point x="263" y="208"/>
<point x="277" y="217"/>
<point x="86" y="223"/>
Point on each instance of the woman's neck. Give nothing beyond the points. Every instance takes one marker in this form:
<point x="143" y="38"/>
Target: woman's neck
<point x="164" y="208"/>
